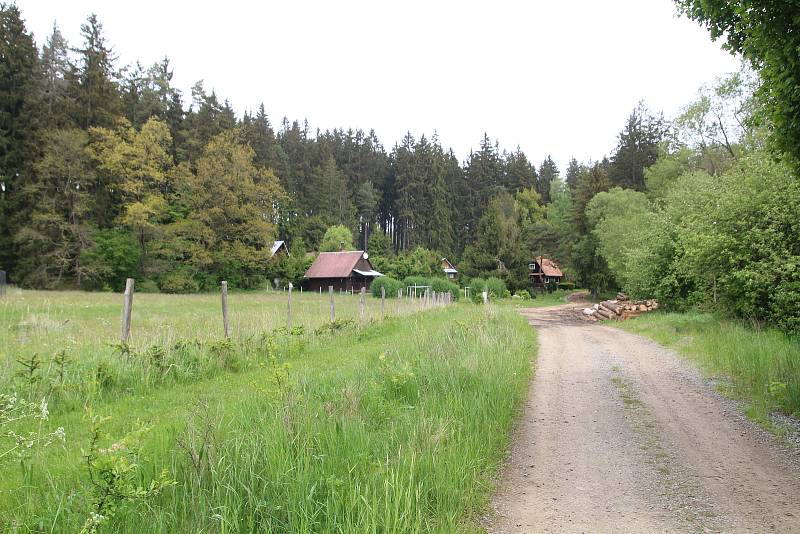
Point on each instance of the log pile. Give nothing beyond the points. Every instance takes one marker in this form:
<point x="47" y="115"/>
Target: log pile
<point x="620" y="308"/>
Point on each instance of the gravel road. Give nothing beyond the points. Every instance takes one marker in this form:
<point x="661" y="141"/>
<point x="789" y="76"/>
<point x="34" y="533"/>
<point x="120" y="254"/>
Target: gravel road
<point x="619" y="435"/>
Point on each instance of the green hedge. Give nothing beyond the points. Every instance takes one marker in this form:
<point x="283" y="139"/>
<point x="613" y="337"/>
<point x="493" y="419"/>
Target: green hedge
<point x="443" y="285"/>
<point x="392" y="285"/>
<point x="416" y="281"/>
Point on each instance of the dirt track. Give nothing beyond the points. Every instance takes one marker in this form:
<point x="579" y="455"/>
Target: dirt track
<point x="619" y="435"/>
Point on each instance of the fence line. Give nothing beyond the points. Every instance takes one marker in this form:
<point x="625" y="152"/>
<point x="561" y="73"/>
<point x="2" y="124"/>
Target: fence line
<point x="429" y="299"/>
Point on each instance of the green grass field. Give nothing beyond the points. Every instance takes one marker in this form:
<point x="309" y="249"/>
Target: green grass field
<point x="761" y="368"/>
<point x="395" y="425"/>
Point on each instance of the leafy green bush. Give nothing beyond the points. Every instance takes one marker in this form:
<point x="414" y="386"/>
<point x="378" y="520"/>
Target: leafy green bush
<point x="495" y="287"/>
<point x="392" y="285"/>
<point x="568" y="286"/>
<point x="523" y="294"/>
<point x="417" y="281"/>
<point x="442" y="285"/>
<point x="476" y="287"/>
<point x="146" y="286"/>
<point x="179" y="281"/>
<point x="112" y="257"/>
<point x="336" y="238"/>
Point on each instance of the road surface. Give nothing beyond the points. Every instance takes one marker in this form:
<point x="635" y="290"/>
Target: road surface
<point x="619" y="435"/>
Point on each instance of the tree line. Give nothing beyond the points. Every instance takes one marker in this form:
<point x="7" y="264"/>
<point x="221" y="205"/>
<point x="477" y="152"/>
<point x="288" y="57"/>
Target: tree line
<point x="106" y="172"/>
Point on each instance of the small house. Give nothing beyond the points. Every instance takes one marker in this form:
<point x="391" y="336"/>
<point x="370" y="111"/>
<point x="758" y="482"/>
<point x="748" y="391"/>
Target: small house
<point x="345" y="271"/>
<point x="449" y="269"/>
<point x="544" y="272"/>
<point x="279" y="250"/>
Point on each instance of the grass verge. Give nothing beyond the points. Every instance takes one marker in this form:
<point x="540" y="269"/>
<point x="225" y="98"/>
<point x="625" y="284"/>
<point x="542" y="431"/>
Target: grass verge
<point x="760" y="368"/>
<point x="399" y="426"/>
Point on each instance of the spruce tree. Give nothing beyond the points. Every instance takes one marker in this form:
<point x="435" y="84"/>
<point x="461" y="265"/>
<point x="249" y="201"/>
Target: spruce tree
<point x="261" y="137"/>
<point x="573" y="172"/>
<point x="405" y="187"/>
<point x="50" y="243"/>
<point x="483" y="181"/>
<point x="548" y="172"/>
<point x="97" y="92"/>
<point x="440" y="220"/>
<point x="366" y="201"/>
<point x="590" y="182"/>
<point x="56" y="69"/>
<point x="20" y="83"/>
<point x="518" y="173"/>
<point x="637" y="148"/>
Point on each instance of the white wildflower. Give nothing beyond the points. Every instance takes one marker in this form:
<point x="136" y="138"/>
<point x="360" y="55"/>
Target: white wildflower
<point x="43" y="413"/>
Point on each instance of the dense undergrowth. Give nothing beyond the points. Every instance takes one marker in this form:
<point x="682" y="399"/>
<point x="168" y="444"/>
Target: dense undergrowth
<point x="393" y="426"/>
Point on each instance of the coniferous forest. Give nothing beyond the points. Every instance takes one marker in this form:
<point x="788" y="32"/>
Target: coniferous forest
<point x="108" y="171"/>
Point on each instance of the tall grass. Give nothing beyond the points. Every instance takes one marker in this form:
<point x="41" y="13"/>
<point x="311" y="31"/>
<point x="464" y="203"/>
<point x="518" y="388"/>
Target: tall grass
<point x="396" y="426"/>
<point x="762" y="367"/>
<point x="175" y="338"/>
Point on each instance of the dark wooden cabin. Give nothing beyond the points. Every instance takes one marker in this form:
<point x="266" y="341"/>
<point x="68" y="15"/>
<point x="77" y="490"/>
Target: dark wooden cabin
<point x="544" y="273"/>
<point x="345" y="271"/>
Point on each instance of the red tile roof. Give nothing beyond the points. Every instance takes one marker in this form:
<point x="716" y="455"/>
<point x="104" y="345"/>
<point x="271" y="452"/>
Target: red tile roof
<point x="334" y="264"/>
<point x="549" y="268"/>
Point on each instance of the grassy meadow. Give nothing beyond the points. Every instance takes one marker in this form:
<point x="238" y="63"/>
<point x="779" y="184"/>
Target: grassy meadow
<point x="393" y="425"/>
<point x="760" y="367"/>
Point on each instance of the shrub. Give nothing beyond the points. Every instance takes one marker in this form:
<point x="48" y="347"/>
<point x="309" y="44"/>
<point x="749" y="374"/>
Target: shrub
<point x="442" y="285"/>
<point x="146" y="286"/>
<point x="416" y="281"/>
<point x="495" y="287"/>
<point x="523" y="294"/>
<point x="392" y="285"/>
<point x="180" y="281"/>
<point x="568" y="286"/>
<point x="477" y="285"/>
<point x="112" y="257"/>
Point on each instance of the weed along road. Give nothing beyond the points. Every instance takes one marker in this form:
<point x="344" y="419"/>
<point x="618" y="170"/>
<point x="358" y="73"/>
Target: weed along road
<point x="620" y="435"/>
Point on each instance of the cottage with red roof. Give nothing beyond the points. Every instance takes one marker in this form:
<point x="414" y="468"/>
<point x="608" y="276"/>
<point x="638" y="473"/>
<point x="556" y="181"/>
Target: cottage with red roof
<point x="544" y="273"/>
<point x="345" y="271"/>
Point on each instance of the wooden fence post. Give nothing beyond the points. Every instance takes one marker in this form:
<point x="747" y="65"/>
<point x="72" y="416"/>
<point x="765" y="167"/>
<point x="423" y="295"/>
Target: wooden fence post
<point x="333" y="311"/>
<point x="289" y="309"/>
<point x="225" y="324"/>
<point x="361" y="297"/>
<point x="127" y="309"/>
<point x="383" y="302"/>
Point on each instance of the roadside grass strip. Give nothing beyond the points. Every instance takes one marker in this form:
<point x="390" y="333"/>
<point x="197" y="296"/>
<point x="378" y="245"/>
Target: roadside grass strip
<point x="759" y="367"/>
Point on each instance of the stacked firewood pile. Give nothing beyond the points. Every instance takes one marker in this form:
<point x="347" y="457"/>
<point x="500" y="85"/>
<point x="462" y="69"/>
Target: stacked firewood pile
<point x="620" y="308"/>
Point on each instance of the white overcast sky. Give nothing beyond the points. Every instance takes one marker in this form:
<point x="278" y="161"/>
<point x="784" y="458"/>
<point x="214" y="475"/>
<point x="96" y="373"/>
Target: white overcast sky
<point x="552" y="77"/>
